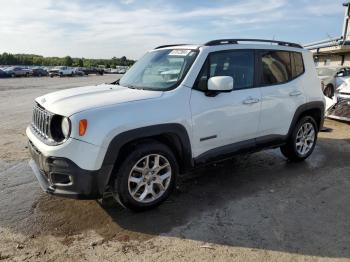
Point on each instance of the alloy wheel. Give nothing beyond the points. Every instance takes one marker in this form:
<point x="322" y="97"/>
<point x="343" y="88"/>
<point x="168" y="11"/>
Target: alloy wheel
<point x="305" y="139"/>
<point x="149" y="178"/>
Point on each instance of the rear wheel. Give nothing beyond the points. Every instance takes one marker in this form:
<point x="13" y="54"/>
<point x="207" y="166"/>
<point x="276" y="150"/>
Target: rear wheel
<point x="302" y="142"/>
<point x="146" y="177"/>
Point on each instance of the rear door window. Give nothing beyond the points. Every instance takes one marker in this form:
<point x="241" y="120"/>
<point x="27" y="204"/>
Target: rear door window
<point x="278" y="67"/>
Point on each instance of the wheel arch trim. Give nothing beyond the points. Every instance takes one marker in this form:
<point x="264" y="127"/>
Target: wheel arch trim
<point x="318" y="105"/>
<point x="120" y="140"/>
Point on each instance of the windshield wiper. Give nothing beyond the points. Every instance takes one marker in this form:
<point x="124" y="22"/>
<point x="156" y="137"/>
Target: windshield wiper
<point x="116" y="82"/>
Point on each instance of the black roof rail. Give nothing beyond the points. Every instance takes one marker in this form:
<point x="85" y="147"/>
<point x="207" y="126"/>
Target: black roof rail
<point x="163" y="46"/>
<point x="235" y="41"/>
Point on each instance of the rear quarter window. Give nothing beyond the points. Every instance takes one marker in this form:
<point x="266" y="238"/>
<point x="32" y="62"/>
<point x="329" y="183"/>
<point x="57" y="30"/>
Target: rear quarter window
<point x="298" y="64"/>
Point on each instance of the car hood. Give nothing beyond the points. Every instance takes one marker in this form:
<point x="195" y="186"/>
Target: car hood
<point x="70" y="101"/>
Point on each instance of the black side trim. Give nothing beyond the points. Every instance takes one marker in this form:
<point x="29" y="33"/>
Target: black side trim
<point x="224" y="152"/>
<point x="270" y="141"/>
<point x="208" y="137"/>
<point x="248" y="146"/>
<point x="176" y="131"/>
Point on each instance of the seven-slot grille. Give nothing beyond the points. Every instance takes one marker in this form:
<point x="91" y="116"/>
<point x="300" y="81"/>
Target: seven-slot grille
<point x="41" y="121"/>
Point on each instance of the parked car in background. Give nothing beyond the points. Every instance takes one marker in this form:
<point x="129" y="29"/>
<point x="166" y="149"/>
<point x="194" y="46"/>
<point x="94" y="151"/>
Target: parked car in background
<point x="121" y="71"/>
<point x="78" y="71"/>
<point x="61" y="71"/>
<point x="339" y="107"/>
<point x="3" y="74"/>
<point x="331" y="78"/>
<point x="93" y="71"/>
<point x="38" y="71"/>
<point x="15" y="71"/>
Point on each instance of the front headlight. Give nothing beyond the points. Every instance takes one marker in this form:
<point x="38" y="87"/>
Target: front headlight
<point x="65" y="126"/>
<point x="60" y="128"/>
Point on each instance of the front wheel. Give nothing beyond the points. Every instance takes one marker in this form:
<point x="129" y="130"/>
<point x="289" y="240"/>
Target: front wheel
<point x="302" y="142"/>
<point x="146" y="177"/>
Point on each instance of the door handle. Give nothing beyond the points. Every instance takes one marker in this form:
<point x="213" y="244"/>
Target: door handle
<point x="251" y="100"/>
<point x="295" y="93"/>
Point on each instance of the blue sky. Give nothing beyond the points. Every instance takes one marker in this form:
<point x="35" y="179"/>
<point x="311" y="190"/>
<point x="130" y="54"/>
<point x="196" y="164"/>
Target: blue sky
<point x="107" y="28"/>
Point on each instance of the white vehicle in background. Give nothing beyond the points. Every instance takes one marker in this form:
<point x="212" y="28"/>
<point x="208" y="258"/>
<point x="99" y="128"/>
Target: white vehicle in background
<point x="331" y="78"/>
<point x="61" y="71"/>
<point x="78" y="71"/>
<point x="179" y="107"/>
<point x="339" y="107"/>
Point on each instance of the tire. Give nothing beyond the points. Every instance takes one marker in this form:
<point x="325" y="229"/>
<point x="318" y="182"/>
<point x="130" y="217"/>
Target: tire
<point x="144" y="191"/>
<point x="13" y="75"/>
<point x="329" y="91"/>
<point x="300" y="136"/>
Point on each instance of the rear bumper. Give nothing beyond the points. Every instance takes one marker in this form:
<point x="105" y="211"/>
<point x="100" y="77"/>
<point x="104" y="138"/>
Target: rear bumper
<point x="60" y="176"/>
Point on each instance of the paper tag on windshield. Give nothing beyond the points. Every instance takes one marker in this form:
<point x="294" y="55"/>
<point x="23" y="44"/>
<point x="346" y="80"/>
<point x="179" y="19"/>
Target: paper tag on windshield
<point x="180" y="52"/>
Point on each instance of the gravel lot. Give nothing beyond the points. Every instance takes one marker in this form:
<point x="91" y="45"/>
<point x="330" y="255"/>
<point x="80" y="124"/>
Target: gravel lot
<point x="251" y="208"/>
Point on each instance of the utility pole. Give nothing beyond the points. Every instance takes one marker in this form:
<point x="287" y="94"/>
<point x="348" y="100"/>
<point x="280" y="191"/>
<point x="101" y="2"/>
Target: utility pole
<point x="346" y="33"/>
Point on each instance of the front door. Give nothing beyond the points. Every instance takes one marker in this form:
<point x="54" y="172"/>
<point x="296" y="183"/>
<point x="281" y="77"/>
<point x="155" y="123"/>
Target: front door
<point x="223" y="119"/>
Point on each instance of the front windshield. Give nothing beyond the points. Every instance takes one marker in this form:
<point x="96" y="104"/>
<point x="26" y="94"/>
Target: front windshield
<point x="326" y="71"/>
<point x="160" y="69"/>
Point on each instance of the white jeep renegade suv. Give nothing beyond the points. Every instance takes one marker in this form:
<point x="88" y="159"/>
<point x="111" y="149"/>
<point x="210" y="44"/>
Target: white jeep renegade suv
<point x="178" y="107"/>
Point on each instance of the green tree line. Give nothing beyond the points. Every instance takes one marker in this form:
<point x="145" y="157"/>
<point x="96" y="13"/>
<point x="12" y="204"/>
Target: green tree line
<point x="37" y="60"/>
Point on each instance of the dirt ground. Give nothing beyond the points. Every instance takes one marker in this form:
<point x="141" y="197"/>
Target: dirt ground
<point x="251" y="208"/>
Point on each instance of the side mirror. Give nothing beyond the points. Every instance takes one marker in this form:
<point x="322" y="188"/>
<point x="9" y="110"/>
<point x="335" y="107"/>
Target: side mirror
<point x="220" y="83"/>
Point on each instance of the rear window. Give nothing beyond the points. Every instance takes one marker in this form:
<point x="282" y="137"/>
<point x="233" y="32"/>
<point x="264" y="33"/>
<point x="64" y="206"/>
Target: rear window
<point x="278" y="67"/>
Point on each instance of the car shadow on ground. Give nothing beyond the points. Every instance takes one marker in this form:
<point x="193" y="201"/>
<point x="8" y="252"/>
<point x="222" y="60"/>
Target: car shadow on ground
<point x="259" y="201"/>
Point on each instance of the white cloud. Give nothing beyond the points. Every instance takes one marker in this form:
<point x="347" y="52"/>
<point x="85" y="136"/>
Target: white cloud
<point x="127" y="2"/>
<point x="95" y="29"/>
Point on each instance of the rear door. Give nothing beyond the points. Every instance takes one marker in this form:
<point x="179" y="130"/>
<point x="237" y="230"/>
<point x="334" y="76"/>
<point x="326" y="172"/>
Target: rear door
<point x="281" y="74"/>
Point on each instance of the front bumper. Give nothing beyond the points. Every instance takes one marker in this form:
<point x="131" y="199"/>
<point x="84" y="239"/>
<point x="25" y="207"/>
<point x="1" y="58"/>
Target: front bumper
<point x="61" y="176"/>
<point x="340" y="110"/>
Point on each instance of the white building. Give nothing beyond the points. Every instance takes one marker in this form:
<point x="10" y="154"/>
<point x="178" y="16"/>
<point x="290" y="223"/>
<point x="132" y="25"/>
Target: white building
<point x="333" y="52"/>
